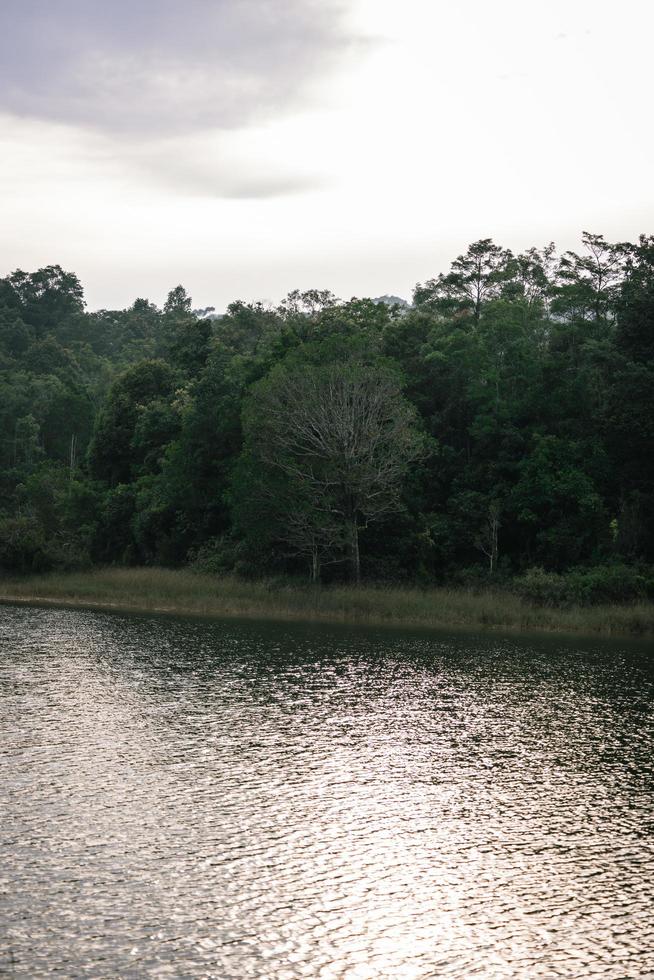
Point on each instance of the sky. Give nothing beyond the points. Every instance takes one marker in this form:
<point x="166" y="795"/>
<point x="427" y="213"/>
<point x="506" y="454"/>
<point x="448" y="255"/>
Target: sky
<point x="244" y="148"/>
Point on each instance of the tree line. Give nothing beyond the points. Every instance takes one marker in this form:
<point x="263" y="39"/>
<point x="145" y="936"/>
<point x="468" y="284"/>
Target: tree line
<point x="503" y="421"/>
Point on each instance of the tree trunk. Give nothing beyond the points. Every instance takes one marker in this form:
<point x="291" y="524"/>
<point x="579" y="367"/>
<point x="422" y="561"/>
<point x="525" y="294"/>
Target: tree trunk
<point x="315" y="566"/>
<point x="494" y="524"/>
<point x="73" y="456"/>
<point x="355" y="564"/>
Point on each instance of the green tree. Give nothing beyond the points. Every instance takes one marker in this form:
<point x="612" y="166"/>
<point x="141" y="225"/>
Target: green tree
<point x="186" y="344"/>
<point x="629" y="415"/>
<point x="49" y="299"/>
<point x="178" y="301"/>
<point x="587" y="284"/>
<point x="27" y="442"/>
<point x="111" y="453"/>
<point x="635" y="303"/>
<point x="557" y="506"/>
<point x="474" y="278"/>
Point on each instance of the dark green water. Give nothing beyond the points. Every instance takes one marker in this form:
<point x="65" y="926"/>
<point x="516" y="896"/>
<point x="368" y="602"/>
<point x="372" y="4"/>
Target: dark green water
<point x="194" y="799"/>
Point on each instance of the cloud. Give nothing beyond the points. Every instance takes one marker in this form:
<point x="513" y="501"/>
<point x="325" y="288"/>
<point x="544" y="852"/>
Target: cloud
<point x="153" y="68"/>
<point x="245" y="165"/>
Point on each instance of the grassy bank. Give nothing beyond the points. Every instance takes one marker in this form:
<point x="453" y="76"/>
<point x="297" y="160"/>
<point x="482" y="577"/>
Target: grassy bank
<point x="181" y="591"/>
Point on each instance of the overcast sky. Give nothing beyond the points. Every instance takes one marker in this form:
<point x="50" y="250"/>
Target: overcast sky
<point x="248" y="147"/>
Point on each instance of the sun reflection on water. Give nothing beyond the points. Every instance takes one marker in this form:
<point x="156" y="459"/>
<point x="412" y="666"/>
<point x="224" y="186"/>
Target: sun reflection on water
<point x="213" y="800"/>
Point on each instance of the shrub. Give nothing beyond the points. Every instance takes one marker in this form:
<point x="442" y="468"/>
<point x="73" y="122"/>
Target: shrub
<point x="477" y="578"/>
<point x="23" y="546"/>
<point x="215" y="557"/>
<point x="586" y="586"/>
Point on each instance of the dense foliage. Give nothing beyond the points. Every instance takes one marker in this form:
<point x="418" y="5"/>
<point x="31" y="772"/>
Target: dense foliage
<point x="503" y="424"/>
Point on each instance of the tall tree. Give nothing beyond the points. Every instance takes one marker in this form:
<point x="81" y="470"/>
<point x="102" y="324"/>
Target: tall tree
<point x="112" y="455"/>
<point x="474" y="278"/>
<point x="342" y="433"/>
<point x="588" y="283"/>
<point x="49" y="298"/>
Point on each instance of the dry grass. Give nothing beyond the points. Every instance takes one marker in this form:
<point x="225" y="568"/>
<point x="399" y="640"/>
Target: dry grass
<point x="185" y="592"/>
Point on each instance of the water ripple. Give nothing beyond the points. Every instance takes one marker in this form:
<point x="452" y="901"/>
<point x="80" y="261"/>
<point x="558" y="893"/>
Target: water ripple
<point x="185" y="799"/>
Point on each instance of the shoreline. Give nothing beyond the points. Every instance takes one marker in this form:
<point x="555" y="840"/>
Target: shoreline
<point x="185" y="593"/>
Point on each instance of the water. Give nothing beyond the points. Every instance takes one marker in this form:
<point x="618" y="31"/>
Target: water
<point x="192" y="799"/>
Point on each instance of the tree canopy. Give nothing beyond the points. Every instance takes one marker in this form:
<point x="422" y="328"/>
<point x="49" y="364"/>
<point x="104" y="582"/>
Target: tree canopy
<point x="501" y="422"/>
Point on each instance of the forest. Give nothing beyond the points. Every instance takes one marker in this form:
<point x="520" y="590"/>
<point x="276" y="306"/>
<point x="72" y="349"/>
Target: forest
<point x="499" y="428"/>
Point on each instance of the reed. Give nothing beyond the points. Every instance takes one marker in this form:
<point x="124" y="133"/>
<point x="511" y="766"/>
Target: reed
<point x="185" y="592"/>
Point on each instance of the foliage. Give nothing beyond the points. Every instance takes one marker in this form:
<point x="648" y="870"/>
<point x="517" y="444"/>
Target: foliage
<point x="503" y="422"/>
<point x="585" y="587"/>
<point x="23" y="545"/>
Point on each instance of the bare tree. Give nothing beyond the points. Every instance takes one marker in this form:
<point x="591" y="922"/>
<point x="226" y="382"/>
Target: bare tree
<point x="307" y="528"/>
<point x="487" y="540"/>
<point x="343" y="435"/>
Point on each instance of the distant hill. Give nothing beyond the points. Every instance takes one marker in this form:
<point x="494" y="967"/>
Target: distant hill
<point x="393" y="301"/>
<point x="208" y="313"/>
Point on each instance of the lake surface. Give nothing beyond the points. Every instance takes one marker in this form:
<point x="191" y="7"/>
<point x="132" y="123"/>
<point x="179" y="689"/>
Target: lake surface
<point x="198" y="799"/>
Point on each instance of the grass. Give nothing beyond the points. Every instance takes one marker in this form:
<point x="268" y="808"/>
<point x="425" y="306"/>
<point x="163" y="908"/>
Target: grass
<point x="185" y="592"/>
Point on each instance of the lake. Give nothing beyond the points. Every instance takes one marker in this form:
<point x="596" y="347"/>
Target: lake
<point x="187" y="798"/>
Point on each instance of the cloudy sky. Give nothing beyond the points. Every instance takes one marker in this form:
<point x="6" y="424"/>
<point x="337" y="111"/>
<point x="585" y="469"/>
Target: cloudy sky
<point x="248" y="147"/>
